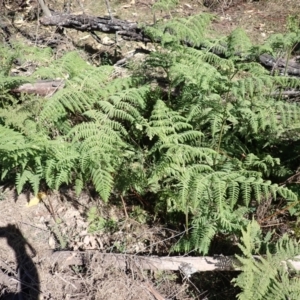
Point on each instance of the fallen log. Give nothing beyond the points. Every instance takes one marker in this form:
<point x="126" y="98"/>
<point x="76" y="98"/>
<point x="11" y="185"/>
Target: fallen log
<point x="130" y="31"/>
<point x="186" y="264"/>
<point x="126" y="29"/>
<point x="290" y="67"/>
<point x="41" y="87"/>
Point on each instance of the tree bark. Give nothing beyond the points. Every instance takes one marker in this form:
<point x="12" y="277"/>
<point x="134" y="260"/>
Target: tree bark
<point x="128" y="30"/>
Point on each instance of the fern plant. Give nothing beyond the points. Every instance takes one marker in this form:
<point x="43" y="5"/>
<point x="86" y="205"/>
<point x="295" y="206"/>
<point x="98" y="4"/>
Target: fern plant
<point x="201" y="130"/>
<point x="268" y="276"/>
<point x="79" y="136"/>
<point x="229" y="117"/>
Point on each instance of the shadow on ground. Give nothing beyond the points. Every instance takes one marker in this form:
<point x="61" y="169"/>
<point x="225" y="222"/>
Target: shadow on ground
<point x="27" y="275"/>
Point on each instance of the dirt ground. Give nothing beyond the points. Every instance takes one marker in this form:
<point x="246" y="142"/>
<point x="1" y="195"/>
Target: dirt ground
<point x="29" y="235"/>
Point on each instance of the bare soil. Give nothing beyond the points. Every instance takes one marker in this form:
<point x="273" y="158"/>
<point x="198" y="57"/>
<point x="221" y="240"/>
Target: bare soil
<point x="28" y="235"/>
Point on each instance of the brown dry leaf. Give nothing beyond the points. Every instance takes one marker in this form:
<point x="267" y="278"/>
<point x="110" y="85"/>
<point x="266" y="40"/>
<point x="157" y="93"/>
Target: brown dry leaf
<point x="36" y="200"/>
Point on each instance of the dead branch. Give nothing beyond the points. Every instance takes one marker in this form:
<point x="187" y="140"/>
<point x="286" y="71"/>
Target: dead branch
<point x="291" y="67"/>
<point x="187" y="265"/>
<point x="130" y="31"/>
<point x="41" y="87"/>
<point x="44" y="8"/>
<point x="153" y="291"/>
<point x="196" y="264"/>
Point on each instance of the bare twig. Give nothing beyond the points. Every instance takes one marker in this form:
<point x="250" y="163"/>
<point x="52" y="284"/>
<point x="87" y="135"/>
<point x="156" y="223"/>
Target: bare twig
<point x="57" y="275"/>
<point x="153" y="291"/>
<point x="45" y="8"/>
<point x="108" y="9"/>
<point x="124" y="205"/>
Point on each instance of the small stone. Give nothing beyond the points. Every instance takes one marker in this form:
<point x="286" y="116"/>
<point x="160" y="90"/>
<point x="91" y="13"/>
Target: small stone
<point x="51" y="242"/>
<point x="86" y="240"/>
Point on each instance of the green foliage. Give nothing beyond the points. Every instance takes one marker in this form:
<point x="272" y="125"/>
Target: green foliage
<point x="189" y="30"/>
<point x="164" y="4"/>
<point x="139" y="214"/>
<point x="98" y="223"/>
<point x="270" y="276"/>
<point x="238" y="44"/>
<point x="47" y="143"/>
<point x="205" y="134"/>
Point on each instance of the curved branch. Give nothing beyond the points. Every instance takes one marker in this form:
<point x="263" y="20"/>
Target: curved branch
<point x="45" y="8"/>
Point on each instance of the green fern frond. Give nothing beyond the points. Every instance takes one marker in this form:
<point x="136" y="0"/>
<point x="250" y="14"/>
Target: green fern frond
<point x="200" y="238"/>
<point x="61" y="163"/>
<point x="167" y="124"/>
<point x="7" y="83"/>
<point x="28" y="176"/>
<point x="124" y="105"/>
<point x="164" y="4"/>
<point x="233" y="194"/>
<point x="282" y="42"/>
<point x="10" y="139"/>
<point x="262" y="276"/>
<point x="186" y="30"/>
<point x="93" y="132"/>
<point x="103" y="120"/>
<point x="67" y="67"/>
<point x="103" y="181"/>
<point x="238" y="43"/>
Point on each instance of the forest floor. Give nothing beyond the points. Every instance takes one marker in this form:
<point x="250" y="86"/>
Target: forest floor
<point x="63" y="221"/>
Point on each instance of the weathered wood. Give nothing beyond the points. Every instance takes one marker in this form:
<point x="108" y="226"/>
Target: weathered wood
<point x="41" y="87"/>
<point x="126" y="29"/>
<point x="130" y="31"/>
<point x="44" y="8"/>
<point x="186" y="264"/>
<point x="290" y="67"/>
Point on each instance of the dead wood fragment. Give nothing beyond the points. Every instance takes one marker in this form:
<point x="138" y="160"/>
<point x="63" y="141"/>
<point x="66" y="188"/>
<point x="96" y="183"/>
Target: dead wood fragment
<point x="153" y="291"/>
<point x="126" y="29"/>
<point x="41" y="87"/>
<point x="290" y="67"/>
<point x="44" y="8"/>
<point x="186" y="264"/>
<point x="130" y="31"/>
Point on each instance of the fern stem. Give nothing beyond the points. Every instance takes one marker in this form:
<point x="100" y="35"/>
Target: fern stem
<point x="282" y="211"/>
<point x="187" y="221"/>
<point x="220" y="136"/>
<point x="223" y="125"/>
<point x="124" y="206"/>
<point x="52" y="210"/>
